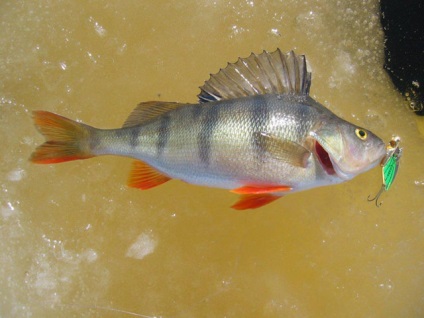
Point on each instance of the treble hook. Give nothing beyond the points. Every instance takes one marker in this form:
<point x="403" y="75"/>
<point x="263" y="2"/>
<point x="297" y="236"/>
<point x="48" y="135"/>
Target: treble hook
<point x="377" y="196"/>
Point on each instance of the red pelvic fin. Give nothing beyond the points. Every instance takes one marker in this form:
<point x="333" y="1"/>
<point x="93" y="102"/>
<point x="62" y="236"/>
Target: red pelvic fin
<point x="144" y="177"/>
<point x="65" y="139"/>
<point x="261" y="189"/>
<point x="253" y="201"/>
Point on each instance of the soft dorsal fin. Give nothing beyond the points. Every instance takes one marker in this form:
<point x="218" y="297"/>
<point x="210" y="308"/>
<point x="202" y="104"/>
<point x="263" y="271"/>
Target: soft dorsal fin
<point x="266" y="73"/>
<point x="148" y="110"/>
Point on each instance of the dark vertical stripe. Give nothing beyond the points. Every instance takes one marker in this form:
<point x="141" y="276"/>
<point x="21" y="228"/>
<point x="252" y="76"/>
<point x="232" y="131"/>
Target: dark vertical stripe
<point x="208" y="125"/>
<point x="134" y="133"/>
<point x="259" y="118"/>
<point x="130" y="134"/>
<point x="196" y="111"/>
<point x="95" y="139"/>
<point x="163" y="134"/>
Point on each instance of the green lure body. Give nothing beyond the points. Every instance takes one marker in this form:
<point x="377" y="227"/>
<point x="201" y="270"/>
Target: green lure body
<point x="390" y="165"/>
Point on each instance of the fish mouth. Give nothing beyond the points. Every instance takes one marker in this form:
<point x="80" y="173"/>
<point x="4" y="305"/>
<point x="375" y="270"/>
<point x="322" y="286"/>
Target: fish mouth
<point x="324" y="159"/>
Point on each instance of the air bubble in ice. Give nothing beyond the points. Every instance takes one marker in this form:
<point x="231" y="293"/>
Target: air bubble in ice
<point x="16" y="175"/>
<point x="100" y="30"/>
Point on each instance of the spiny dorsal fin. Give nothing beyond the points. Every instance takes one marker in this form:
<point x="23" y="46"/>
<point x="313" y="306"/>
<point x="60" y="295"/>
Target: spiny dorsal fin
<point x="266" y="73"/>
<point x="148" y="110"/>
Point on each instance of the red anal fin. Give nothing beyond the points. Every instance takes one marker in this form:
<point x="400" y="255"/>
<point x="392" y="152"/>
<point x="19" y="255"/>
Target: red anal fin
<point x="253" y="201"/>
<point x="261" y="189"/>
<point x="144" y="177"/>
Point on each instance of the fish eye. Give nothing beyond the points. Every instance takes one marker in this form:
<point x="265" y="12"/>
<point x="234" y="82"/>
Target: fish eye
<point x="361" y="134"/>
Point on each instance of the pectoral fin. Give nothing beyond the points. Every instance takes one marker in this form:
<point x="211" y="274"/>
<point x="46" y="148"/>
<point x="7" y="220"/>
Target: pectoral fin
<point x="283" y="149"/>
<point x="253" y="201"/>
<point x="144" y="177"/>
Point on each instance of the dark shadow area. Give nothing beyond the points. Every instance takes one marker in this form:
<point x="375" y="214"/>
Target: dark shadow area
<point x="403" y="24"/>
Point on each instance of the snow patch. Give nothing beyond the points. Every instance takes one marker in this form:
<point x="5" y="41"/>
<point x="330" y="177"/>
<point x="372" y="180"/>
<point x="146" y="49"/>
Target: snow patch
<point x="145" y="244"/>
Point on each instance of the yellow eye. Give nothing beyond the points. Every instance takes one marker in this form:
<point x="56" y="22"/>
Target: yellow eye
<point x="361" y="134"/>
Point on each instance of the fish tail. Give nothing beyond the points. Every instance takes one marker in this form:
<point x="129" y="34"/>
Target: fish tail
<point x="66" y="139"/>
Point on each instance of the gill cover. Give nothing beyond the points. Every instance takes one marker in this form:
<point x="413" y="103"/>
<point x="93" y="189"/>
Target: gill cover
<point x="351" y="149"/>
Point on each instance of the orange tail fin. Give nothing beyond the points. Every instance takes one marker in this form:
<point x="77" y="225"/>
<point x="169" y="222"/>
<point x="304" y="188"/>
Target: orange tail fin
<point x="66" y="139"/>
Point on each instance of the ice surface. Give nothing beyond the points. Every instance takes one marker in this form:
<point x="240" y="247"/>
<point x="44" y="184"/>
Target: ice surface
<point x="76" y="242"/>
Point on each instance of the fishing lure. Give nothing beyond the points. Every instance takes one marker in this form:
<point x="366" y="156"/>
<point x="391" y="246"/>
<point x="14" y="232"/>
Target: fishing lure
<point x="390" y="165"/>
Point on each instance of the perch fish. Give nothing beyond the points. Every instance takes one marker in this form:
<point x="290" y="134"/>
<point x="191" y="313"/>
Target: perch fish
<point x="255" y="131"/>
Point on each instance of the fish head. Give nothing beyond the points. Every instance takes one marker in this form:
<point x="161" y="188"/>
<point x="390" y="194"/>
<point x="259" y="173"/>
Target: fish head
<point x="346" y="150"/>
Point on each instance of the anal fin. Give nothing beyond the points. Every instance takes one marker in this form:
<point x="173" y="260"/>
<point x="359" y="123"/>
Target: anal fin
<point x="254" y="201"/>
<point x="144" y="177"/>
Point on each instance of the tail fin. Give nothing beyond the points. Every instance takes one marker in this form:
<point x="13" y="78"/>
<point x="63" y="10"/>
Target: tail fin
<point x="66" y="139"/>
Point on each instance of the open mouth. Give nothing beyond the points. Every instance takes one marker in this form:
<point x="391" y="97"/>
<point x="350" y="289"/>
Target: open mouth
<point x="324" y="159"/>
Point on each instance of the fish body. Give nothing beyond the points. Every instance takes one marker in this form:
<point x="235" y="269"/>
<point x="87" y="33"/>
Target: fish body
<point x="255" y="131"/>
<point x="227" y="144"/>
